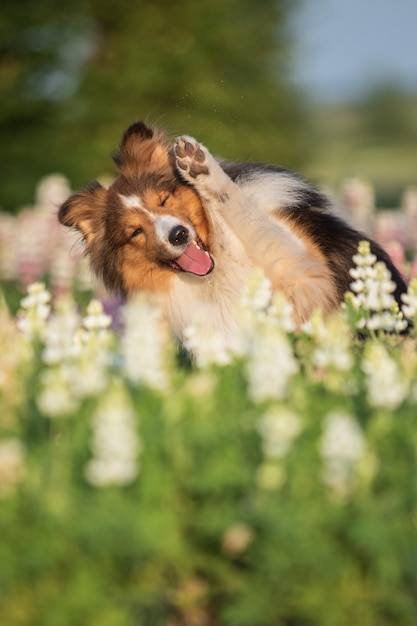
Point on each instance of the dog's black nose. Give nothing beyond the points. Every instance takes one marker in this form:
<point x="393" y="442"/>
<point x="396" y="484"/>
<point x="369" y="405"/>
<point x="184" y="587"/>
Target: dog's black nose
<point x="178" y="235"/>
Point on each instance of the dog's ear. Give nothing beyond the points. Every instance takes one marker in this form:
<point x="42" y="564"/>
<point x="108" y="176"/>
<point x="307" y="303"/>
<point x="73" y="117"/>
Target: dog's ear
<point x="83" y="209"/>
<point x="141" y="148"/>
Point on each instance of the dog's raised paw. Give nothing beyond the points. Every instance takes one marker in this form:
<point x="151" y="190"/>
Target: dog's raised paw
<point x="190" y="156"/>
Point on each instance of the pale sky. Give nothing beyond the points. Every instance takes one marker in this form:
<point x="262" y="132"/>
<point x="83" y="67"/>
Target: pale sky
<point x="346" y="45"/>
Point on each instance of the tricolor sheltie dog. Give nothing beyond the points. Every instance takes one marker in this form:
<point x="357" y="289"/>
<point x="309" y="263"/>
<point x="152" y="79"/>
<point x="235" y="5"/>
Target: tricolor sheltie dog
<point x="181" y="224"/>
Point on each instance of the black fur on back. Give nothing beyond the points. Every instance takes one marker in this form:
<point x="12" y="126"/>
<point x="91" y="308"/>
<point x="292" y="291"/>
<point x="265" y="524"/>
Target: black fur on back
<point x="339" y="243"/>
<point x="337" y="240"/>
<point x="307" y="196"/>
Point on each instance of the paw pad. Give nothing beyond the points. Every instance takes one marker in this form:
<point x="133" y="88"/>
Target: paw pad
<point x="190" y="157"/>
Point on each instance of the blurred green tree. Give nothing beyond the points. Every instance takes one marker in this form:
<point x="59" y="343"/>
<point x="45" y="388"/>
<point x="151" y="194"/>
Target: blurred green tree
<point x="386" y="114"/>
<point x="72" y="79"/>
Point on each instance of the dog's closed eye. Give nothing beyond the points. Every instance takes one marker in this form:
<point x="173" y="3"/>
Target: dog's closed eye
<point x="163" y="199"/>
<point x="136" y="232"/>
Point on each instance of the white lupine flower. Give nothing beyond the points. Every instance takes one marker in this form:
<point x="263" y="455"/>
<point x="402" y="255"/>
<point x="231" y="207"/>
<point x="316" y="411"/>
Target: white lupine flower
<point x="60" y="333"/>
<point x="115" y="444"/>
<point x="364" y="257"/>
<point x="257" y="294"/>
<point x="96" y="319"/>
<point x="358" y="286"/>
<point x="258" y="303"/>
<point x="38" y="296"/>
<point x="281" y="311"/>
<point x="375" y="289"/>
<point x="331" y="356"/>
<point x="342" y="447"/>
<point x="387" y="320"/>
<point x="278" y="429"/>
<point x="259" y="308"/>
<point x="102" y="472"/>
<point x="409" y="307"/>
<point x="334" y="345"/>
<point x="359" y="274"/>
<point x="89" y="376"/>
<point x="88" y="370"/>
<point x="144" y="344"/>
<point x="91" y="355"/>
<point x="270" y="365"/>
<point x="12" y="465"/>
<point x="36" y="309"/>
<point x="314" y="327"/>
<point x="254" y="303"/>
<point x="386" y="388"/>
<point x="79" y="359"/>
<point x="56" y="398"/>
<point x="207" y="345"/>
<point x="342" y="437"/>
<point x="373" y="293"/>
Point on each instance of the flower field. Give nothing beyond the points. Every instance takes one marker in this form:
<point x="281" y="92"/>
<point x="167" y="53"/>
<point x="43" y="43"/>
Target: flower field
<point x="271" y="485"/>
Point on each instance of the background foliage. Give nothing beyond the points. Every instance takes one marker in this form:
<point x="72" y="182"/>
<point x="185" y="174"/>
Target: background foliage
<point x="73" y="80"/>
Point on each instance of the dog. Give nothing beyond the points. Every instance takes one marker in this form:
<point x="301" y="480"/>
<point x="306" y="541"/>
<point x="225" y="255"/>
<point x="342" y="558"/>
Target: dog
<point x="190" y="228"/>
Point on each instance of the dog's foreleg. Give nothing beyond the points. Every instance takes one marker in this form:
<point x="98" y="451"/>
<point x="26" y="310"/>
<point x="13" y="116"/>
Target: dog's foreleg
<point x="291" y="266"/>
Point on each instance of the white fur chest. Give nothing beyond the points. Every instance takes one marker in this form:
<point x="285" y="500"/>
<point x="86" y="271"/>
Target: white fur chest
<point x="212" y="300"/>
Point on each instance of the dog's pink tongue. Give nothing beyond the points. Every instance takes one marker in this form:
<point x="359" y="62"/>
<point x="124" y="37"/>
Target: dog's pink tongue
<point x="195" y="260"/>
